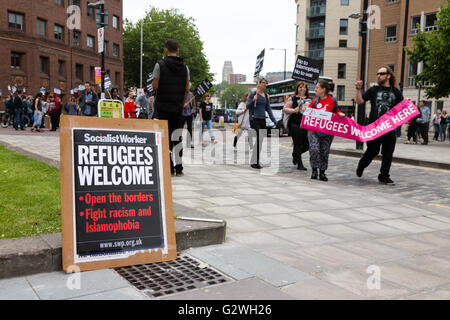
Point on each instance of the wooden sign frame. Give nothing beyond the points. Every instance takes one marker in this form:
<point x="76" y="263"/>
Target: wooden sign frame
<point x="69" y="255"/>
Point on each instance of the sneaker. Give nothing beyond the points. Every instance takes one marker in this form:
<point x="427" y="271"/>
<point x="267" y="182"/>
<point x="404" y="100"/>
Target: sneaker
<point x="323" y="177"/>
<point x="359" y="172"/>
<point x="314" y="175"/>
<point x="202" y="143"/>
<point x="179" y="174"/>
<point x="214" y="141"/>
<point x="385" y="180"/>
<point x="256" y="166"/>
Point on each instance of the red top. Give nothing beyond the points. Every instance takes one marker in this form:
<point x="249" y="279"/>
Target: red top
<point x="326" y="104"/>
<point x="129" y="108"/>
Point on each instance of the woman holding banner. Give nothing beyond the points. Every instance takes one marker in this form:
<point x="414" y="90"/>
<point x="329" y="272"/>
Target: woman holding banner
<point x="294" y="109"/>
<point x="320" y="143"/>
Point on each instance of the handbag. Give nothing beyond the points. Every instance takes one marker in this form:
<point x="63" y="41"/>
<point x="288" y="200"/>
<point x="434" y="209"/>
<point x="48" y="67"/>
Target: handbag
<point x="238" y="126"/>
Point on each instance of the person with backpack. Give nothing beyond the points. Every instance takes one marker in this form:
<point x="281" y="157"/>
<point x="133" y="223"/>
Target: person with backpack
<point x="294" y="110"/>
<point x="258" y="104"/>
<point x="320" y="143"/>
<point x="383" y="97"/>
<point x="171" y="83"/>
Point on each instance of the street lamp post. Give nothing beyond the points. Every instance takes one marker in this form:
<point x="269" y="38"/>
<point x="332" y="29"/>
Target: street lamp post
<point x="363" y="33"/>
<point x="284" y="60"/>
<point x="142" y="45"/>
<point x="101" y="6"/>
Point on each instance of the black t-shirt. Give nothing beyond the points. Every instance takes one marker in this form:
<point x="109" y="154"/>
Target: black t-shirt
<point x="206" y="110"/>
<point x="382" y="99"/>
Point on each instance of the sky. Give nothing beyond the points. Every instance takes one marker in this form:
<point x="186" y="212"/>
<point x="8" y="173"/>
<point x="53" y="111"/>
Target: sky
<point x="235" y="30"/>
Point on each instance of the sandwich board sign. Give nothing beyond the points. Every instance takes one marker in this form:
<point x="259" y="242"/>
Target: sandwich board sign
<point x="116" y="193"/>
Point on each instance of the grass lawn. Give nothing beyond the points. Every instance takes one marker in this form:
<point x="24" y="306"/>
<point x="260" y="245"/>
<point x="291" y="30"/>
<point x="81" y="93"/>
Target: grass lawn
<point x="30" y="196"/>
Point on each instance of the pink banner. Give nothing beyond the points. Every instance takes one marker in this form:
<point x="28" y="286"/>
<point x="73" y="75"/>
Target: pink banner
<point x="347" y="128"/>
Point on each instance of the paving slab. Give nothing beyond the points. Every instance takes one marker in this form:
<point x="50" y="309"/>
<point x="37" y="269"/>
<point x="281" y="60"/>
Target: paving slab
<point x="251" y="262"/>
<point x="16" y="289"/>
<point x="54" y="286"/>
<point x="315" y="289"/>
<point x="247" y="290"/>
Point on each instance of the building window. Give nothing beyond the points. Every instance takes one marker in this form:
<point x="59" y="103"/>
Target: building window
<point x="392" y="1"/>
<point x="345" y="2"/>
<point x="16" y="60"/>
<point x="118" y="79"/>
<point x="343" y="26"/>
<point x="342" y="67"/>
<point x="59" y="2"/>
<point x="412" y="71"/>
<point x="392" y="66"/>
<point x="340" y="93"/>
<point x="41" y="27"/>
<point x="391" y="34"/>
<point x="115" y="50"/>
<point x="115" y="22"/>
<point x="92" y="74"/>
<point x="79" y="71"/>
<point x="15" y="21"/>
<point x="415" y="24"/>
<point x="59" y="31"/>
<point x="61" y="68"/>
<point x="45" y="65"/>
<point x="76" y="38"/>
<point x="430" y="22"/>
<point x="90" y="11"/>
<point x="342" y="43"/>
<point x="90" y="42"/>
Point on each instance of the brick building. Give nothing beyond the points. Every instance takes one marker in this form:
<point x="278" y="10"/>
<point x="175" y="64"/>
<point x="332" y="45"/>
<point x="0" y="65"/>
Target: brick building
<point x="326" y="33"/>
<point x="397" y="25"/>
<point x="39" y="49"/>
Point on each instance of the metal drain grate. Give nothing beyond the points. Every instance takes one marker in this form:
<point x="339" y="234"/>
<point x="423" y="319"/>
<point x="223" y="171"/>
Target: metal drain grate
<point x="165" y="278"/>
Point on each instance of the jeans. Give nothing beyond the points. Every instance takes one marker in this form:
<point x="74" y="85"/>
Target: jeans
<point x="208" y="124"/>
<point x="443" y="128"/>
<point x="18" y="118"/>
<point x="436" y="131"/>
<point x="37" y="119"/>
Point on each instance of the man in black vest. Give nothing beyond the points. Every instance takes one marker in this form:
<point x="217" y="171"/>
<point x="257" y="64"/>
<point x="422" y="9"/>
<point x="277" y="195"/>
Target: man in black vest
<point x="171" y="83"/>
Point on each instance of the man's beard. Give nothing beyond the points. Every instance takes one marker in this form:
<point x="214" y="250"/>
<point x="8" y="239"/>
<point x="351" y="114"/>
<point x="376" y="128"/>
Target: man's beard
<point x="383" y="82"/>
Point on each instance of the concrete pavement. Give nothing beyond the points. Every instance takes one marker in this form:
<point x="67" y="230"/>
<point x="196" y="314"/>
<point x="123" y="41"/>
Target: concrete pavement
<point x="288" y="237"/>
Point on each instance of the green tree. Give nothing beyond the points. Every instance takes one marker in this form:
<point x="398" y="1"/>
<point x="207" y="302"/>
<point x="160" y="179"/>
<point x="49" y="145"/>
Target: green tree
<point x="177" y="27"/>
<point x="433" y="49"/>
<point x="233" y="93"/>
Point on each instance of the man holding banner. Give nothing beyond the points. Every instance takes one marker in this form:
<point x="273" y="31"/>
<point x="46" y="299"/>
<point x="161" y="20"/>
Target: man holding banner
<point x="382" y="98"/>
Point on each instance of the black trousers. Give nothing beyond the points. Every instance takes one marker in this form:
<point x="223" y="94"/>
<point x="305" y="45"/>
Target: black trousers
<point x="412" y="130"/>
<point x="188" y="120"/>
<point x="54" y="119"/>
<point x="424" y="130"/>
<point x="259" y="130"/>
<point x="384" y="143"/>
<point x="300" y="141"/>
<point x="175" y="121"/>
